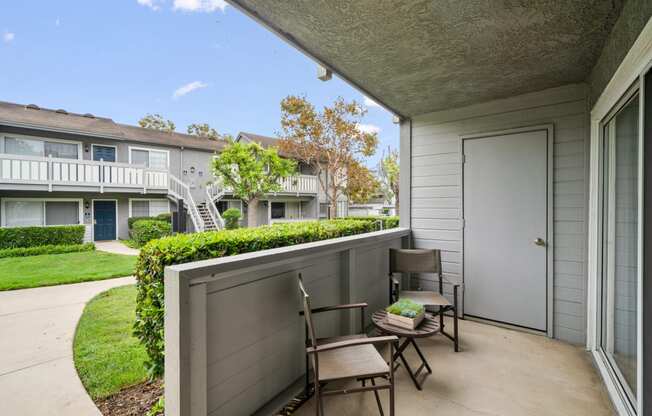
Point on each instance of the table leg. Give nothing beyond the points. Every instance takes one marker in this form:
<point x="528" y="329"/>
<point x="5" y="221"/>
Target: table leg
<point x="423" y="359"/>
<point x="424" y="364"/>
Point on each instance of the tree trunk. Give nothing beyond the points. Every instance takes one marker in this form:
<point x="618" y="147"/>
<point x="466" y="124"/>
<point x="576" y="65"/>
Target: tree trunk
<point x="332" y="207"/>
<point x="252" y="212"/>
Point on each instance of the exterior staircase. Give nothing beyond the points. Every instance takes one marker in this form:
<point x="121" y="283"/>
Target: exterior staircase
<point x="206" y="217"/>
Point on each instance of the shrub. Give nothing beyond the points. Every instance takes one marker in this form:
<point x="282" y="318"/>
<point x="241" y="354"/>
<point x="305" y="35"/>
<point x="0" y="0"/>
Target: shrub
<point x="388" y="222"/>
<point x="185" y="248"/>
<point x="41" y="236"/>
<point x="144" y="231"/>
<point x="231" y="217"/>
<point x="167" y="217"/>
<point x="49" y="249"/>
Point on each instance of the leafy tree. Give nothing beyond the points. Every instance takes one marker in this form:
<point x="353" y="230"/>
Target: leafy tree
<point x="330" y="141"/>
<point x="252" y="171"/>
<point x="156" y="122"/>
<point x="389" y="171"/>
<point x="204" y="130"/>
<point x="362" y="185"/>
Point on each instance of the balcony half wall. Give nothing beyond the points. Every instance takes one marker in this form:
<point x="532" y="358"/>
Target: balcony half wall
<point x="233" y="335"/>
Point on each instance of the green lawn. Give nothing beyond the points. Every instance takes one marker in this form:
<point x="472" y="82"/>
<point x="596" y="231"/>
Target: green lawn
<point x="107" y="356"/>
<point x="56" y="269"/>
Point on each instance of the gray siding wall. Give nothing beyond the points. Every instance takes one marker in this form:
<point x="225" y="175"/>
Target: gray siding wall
<point x="436" y="188"/>
<point x="87" y="199"/>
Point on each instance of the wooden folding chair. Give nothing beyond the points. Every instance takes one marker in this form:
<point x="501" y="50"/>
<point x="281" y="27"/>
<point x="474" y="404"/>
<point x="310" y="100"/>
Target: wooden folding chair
<point x="423" y="261"/>
<point x="347" y="358"/>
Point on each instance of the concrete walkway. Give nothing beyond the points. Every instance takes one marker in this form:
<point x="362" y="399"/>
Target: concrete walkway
<point x="37" y="326"/>
<point x="116" y="247"/>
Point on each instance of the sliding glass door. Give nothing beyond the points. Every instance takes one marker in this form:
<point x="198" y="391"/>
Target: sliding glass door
<point x="620" y="243"/>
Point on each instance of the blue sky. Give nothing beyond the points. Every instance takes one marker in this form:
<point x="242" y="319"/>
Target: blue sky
<point x="125" y="58"/>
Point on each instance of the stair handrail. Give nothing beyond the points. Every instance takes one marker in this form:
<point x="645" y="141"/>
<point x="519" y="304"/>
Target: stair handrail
<point x="215" y="191"/>
<point x="213" y="211"/>
<point x="182" y="191"/>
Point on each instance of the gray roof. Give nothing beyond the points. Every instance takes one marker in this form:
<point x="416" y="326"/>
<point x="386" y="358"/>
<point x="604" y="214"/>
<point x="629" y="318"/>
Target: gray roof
<point x="33" y="117"/>
<point x="265" y="141"/>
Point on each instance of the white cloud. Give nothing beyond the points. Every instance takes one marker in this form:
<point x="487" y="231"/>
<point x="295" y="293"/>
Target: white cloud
<point x="370" y="103"/>
<point x="8" y="37"/>
<point x="368" y="128"/>
<point x="188" y="88"/>
<point x="200" y="5"/>
<point x="152" y="4"/>
<point x="57" y="22"/>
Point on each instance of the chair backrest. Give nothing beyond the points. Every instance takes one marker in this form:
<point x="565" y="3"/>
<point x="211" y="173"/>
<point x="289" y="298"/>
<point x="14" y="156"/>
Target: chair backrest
<point x="403" y="260"/>
<point x="307" y="312"/>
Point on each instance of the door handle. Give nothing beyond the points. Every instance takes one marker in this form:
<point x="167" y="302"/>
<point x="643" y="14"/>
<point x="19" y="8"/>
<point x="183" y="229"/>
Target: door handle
<point x="539" y="241"/>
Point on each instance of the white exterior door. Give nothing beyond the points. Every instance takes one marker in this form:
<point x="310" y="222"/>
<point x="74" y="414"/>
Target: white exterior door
<point x="505" y="228"/>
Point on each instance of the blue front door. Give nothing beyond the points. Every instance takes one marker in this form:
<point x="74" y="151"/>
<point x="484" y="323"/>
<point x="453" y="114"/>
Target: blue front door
<point x="105" y="220"/>
<point x="105" y="153"/>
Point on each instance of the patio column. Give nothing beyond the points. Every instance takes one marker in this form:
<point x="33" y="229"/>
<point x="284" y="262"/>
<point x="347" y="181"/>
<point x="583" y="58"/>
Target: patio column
<point x="269" y="212"/>
<point x="405" y="180"/>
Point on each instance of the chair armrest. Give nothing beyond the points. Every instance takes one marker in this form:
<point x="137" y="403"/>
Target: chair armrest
<point x="352" y="343"/>
<point x="338" y="307"/>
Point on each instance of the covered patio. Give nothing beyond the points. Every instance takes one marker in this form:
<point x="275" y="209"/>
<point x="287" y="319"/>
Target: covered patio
<point x="523" y="163"/>
<point x="499" y="372"/>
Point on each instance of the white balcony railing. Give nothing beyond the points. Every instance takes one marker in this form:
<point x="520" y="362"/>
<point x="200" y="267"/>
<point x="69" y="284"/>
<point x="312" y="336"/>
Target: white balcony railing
<point x="51" y="171"/>
<point x="300" y="184"/>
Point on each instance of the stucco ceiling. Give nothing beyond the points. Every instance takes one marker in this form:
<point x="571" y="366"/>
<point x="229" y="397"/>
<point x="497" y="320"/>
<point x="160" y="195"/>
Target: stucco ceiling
<point x="421" y="56"/>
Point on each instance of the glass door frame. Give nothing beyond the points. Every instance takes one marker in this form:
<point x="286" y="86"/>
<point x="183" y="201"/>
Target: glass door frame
<point x="624" y="391"/>
<point x="627" y="81"/>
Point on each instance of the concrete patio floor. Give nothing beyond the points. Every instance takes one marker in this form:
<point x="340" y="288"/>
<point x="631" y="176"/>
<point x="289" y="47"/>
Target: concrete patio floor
<point x="499" y="372"/>
<point x="37" y="326"/>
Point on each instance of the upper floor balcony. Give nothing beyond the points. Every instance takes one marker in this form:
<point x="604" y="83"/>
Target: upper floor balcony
<point x="299" y="185"/>
<point x="22" y="172"/>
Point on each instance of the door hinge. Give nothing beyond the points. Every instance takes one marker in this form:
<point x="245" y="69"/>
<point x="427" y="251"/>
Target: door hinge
<point x="463" y="223"/>
<point x="463" y="158"/>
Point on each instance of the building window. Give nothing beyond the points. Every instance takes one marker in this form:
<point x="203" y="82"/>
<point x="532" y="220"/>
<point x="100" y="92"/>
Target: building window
<point x="278" y="210"/>
<point x="620" y="244"/>
<point x="149" y="207"/>
<point x="323" y="210"/>
<point x="35" y="147"/>
<point x="155" y="159"/>
<point x="61" y="212"/>
<point x="38" y="213"/>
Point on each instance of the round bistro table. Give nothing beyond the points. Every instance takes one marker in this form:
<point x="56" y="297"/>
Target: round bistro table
<point x="427" y="328"/>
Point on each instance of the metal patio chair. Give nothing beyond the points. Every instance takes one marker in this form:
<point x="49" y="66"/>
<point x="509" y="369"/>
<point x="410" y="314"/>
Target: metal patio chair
<point x="351" y="357"/>
<point x="423" y="261"/>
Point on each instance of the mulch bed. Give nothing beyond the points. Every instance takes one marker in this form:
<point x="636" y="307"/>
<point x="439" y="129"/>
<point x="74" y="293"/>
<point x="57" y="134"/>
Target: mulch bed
<point x="132" y="401"/>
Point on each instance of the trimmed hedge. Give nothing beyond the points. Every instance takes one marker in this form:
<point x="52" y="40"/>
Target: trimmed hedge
<point x="144" y="231"/>
<point x="231" y="217"/>
<point x="49" y="249"/>
<point x="167" y="217"/>
<point x="185" y="248"/>
<point x="15" y="237"/>
<point x="388" y="222"/>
